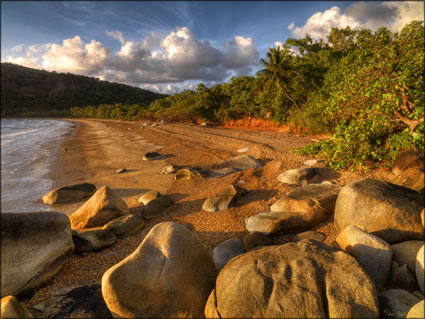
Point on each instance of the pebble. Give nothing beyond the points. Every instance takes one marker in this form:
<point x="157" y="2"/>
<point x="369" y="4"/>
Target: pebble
<point x="121" y="170"/>
<point x="243" y="150"/>
<point x="311" y="162"/>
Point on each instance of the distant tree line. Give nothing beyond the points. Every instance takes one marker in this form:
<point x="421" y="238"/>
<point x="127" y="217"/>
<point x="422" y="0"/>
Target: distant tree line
<point x="31" y="92"/>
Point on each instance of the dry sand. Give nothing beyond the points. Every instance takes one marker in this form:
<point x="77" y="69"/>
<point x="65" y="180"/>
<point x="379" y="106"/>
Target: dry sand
<point x="95" y="149"/>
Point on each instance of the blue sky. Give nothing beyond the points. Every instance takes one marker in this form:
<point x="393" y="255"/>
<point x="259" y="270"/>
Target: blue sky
<point x="170" y="45"/>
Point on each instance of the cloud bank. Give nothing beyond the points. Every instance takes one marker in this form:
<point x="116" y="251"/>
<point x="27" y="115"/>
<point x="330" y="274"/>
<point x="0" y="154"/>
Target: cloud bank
<point x="176" y="57"/>
<point x="370" y="15"/>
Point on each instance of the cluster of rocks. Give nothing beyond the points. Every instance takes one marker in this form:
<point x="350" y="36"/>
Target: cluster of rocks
<point x="375" y="267"/>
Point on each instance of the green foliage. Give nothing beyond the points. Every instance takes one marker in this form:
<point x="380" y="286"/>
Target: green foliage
<point x="30" y="92"/>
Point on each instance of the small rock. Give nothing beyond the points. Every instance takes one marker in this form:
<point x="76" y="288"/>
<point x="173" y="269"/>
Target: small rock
<point x="93" y="240"/>
<point x="125" y="225"/>
<point x="71" y="193"/>
<point x="396" y="303"/>
<point x="152" y="156"/>
<point x="169" y="169"/>
<point x="298" y="176"/>
<point x="310" y="235"/>
<point x="129" y="128"/>
<point x="311" y="162"/>
<point x="155" y="208"/>
<point x="148" y="196"/>
<point x="255" y="239"/>
<point x="12" y="308"/>
<point x="222" y="200"/>
<point x="188" y="173"/>
<point x="372" y="252"/>
<point x="406" y="160"/>
<point x="146" y="123"/>
<point x="413" y="178"/>
<point x="243" y="150"/>
<point x="226" y="250"/>
<point x="417" y="311"/>
<point x="231" y="165"/>
<point x="420" y="269"/>
<point x="121" y="170"/>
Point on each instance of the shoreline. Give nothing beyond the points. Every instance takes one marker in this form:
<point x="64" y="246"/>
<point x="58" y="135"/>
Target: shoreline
<point x="97" y="148"/>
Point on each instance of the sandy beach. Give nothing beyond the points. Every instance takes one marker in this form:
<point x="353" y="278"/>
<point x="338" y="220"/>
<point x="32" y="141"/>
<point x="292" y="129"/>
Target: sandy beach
<point x="96" y="149"/>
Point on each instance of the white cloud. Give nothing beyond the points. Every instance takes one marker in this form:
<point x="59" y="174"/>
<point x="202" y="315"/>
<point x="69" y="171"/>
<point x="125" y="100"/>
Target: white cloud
<point x="176" y="57"/>
<point x="291" y="26"/>
<point x="28" y="62"/>
<point x="17" y="48"/>
<point x="392" y="14"/>
<point x="117" y="35"/>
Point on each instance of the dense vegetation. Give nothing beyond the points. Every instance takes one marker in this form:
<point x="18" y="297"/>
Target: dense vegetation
<point x="366" y="89"/>
<point x="30" y="92"/>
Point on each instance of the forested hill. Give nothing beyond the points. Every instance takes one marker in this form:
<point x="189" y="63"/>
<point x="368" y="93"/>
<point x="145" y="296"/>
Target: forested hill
<point x="31" y="92"/>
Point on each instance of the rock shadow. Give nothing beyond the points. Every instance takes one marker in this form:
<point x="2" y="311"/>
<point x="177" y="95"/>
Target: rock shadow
<point x="254" y="196"/>
<point x="185" y="207"/>
<point x="127" y="192"/>
<point x="325" y="174"/>
<point x="177" y="196"/>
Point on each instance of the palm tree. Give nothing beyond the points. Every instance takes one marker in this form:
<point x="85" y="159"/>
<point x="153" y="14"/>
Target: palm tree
<point x="278" y="70"/>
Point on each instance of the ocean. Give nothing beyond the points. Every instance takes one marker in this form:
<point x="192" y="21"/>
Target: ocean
<point x="28" y="151"/>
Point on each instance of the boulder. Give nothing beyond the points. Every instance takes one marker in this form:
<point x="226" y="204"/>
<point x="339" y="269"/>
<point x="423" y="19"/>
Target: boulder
<point x="69" y="193"/>
<point x="33" y="248"/>
<point x="298" y="176"/>
<point x="102" y="207"/>
<point x="396" y="303"/>
<point x="413" y="178"/>
<point x="406" y="160"/>
<point x="148" y="196"/>
<point x="283" y="222"/>
<point x="156" y="207"/>
<point x="420" y="269"/>
<point x="231" y="165"/>
<point x="307" y="279"/>
<point x="310" y="235"/>
<point x="222" y="199"/>
<point x="92" y="240"/>
<point x="417" y="311"/>
<point x="388" y="211"/>
<point x="188" y="173"/>
<point x="11" y="308"/>
<point x="125" y="225"/>
<point x="402" y="278"/>
<point x="170" y="274"/>
<point x="372" y="252"/>
<point x="406" y="251"/>
<point x="311" y="199"/>
<point x="254" y="240"/>
<point x="152" y="156"/>
<point x="226" y="250"/>
<point x="169" y="169"/>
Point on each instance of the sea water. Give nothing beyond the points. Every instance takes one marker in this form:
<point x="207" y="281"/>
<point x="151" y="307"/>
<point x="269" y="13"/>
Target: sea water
<point x="28" y="151"/>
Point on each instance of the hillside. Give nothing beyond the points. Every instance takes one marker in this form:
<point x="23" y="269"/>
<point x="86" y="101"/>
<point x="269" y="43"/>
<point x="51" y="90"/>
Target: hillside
<point x="31" y="92"/>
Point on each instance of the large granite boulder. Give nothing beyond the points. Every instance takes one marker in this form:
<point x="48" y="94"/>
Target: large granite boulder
<point x="125" y="225"/>
<point x="310" y="199"/>
<point x="156" y="207"/>
<point x="420" y="269"/>
<point x="102" y="207"/>
<point x="406" y="160"/>
<point x="11" y="308"/>
<point x="307" y="279"/>
<point x="298" y="176"/>
<point x="231" y="165"/>
<point x="372" y="252"/>
<point x="223" y="199"/>
<point x="388" y="211"/>
<point x="406" y="251"/>
<point x="69" y="193"/>
<point x="402" y="278"/>
<point x="33" y="248"/>
<point x="170" y="274"/>
<point x="92" y="239"/>
<point x="413" y="178"/>
<point x="396" y="303"/>
<point x="226" y="250"/>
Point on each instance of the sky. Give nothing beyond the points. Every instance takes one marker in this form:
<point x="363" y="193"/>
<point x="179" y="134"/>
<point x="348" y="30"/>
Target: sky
<point x="167" y="46"/>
